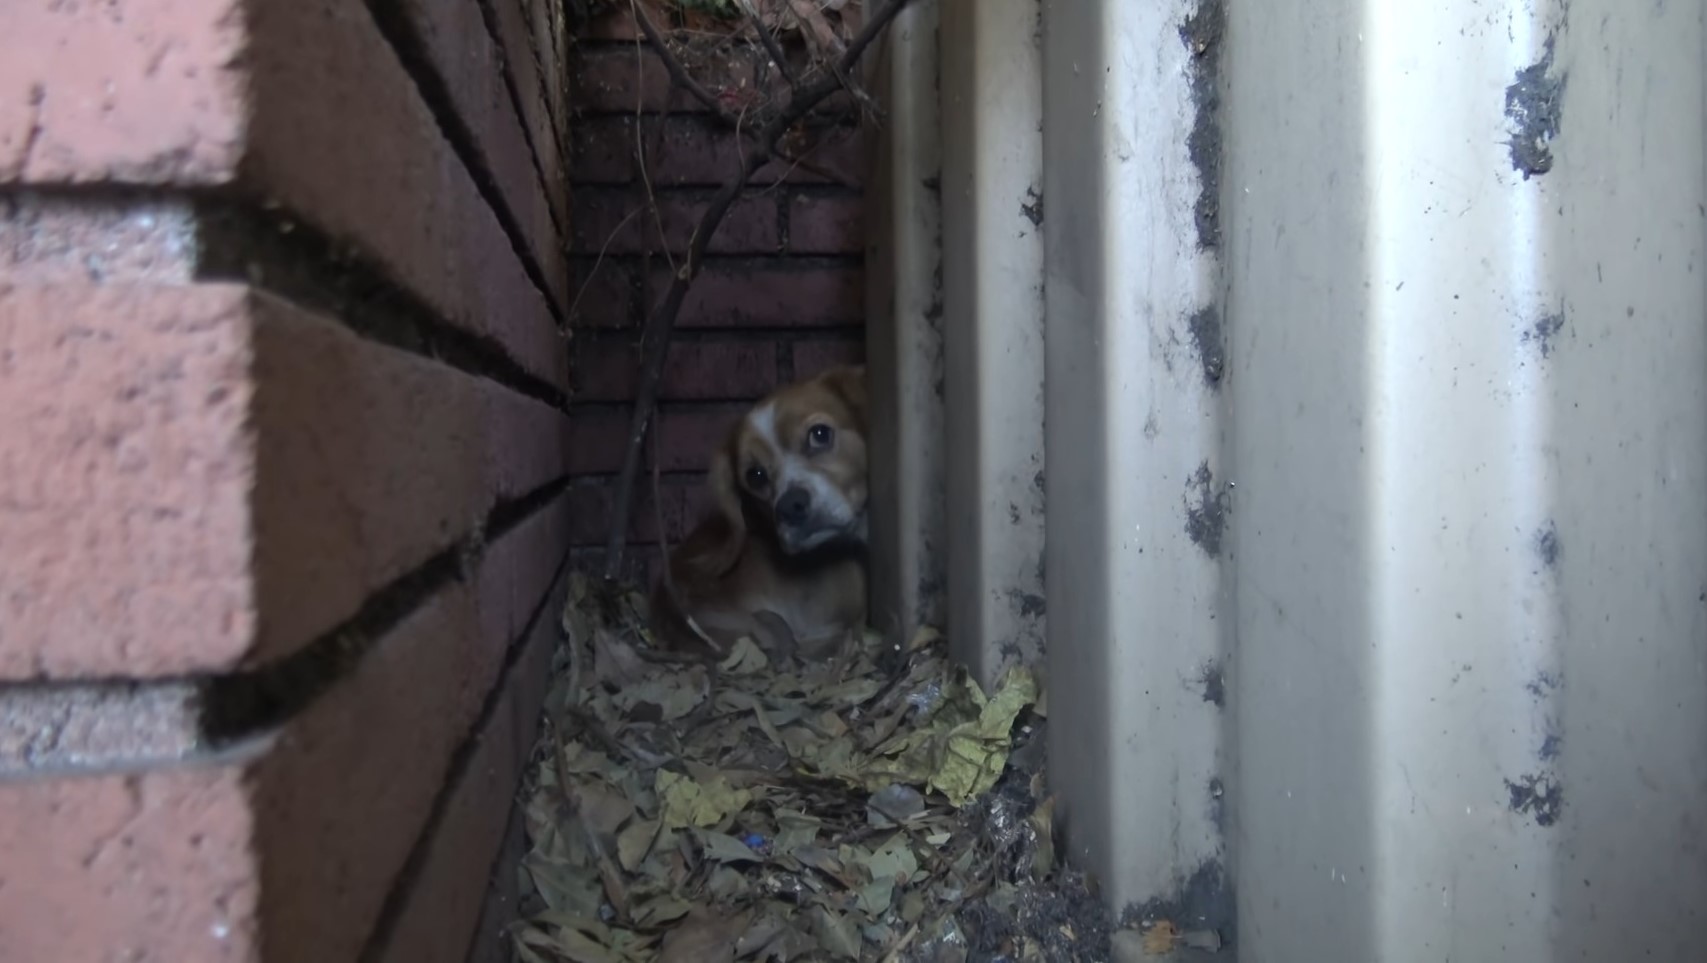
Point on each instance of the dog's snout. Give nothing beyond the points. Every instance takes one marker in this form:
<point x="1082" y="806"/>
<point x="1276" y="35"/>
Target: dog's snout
<point x="792" y="507"/>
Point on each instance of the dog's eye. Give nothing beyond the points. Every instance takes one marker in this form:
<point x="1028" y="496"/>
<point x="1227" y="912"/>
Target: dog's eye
<point x="756" y="478"/>
<point x="820" y="436"/>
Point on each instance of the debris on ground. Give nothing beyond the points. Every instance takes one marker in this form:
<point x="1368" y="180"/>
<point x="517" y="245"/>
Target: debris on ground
<point x="875" y="806"/>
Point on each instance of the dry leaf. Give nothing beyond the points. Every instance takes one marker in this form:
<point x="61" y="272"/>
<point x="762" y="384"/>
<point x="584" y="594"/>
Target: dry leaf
<point x="704" y="936"/>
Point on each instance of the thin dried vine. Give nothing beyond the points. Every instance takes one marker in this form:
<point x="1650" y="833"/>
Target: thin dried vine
<point x="661" y="323"/>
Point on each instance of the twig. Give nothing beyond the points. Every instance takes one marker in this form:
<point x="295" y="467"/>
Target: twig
<point x="661" y="324"/>
<point x="664" y="550"/>
<point x="769" y="40"/>
<point x="679" y="74"/>
<point x="615" y="891"/>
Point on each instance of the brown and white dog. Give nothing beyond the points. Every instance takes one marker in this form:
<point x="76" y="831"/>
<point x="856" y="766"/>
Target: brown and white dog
<point x="782" y="552"/>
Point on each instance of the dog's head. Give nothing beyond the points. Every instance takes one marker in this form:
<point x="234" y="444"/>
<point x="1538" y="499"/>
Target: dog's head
<point x="796" y="465"/>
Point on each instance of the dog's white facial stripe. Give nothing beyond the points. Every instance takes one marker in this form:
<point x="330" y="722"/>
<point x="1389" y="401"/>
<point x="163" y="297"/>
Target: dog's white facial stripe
<point x="831" y="510"/>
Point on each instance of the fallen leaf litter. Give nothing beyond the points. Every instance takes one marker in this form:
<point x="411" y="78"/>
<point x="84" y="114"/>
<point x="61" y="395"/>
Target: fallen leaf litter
<point x="875" y="806"/>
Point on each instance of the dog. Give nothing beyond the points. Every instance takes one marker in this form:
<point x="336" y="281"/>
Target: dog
<point x="781" y="555"/>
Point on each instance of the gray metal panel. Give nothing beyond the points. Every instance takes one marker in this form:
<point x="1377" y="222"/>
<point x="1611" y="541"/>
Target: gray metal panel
<point x="1469" y="435"/>
<point x="1134" y="480"/>
<point x="992" y="214"/>
<point x="904" y="329"/>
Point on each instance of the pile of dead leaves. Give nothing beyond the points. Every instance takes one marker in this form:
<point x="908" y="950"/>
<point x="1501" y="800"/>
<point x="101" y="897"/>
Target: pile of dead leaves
<point x="876" y="806"/>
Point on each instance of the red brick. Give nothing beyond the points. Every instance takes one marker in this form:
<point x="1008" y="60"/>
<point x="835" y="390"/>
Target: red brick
<point x="372" y="461"/>
<point x="141" y="91"/>
<point x="693" y="150"/>
<point x="826" y="225"/>
<point x="639" y="562"/>
<point x="703" y="371"/>
<point x="811" y="357"/>
<point x="153" y="867"/>
<point x="623" y="79"/>
<point x="607" y="294"/>
<point x="626" y="79"/>
<point x="769" y="295"/>
<point x="126" y="459"/>
<point x="615" y="23"/>
<point x="602" y="150"/>
<point x="689" y="436"/>
<point x="620" y="223"/>
<point x="442" y="903"/>
<point x="683" y="502"/>
<point x="463" y="54"/>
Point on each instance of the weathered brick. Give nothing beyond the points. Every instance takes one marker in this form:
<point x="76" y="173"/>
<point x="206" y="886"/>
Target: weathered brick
<point x="155" y="866"/>
<point x="811" y="357"/>
<point x="141" y="91"/>
<point x="462" y="53"/>
<point x="548" y="29"/>
<point x="372" y="461"/>
<point x="769" y="295"/>
<point x="694" y="371"/>
<point x="826" y="225"/>
<point x="545" y="130"/>
<point x="126" y="458"/>
<point x="611" y="222"/>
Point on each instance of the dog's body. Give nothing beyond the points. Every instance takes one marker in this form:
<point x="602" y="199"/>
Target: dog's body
<point x="781" y="558"/>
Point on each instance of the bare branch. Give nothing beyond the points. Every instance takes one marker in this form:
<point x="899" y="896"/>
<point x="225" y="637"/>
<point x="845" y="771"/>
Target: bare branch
<point x="660" y="326"/>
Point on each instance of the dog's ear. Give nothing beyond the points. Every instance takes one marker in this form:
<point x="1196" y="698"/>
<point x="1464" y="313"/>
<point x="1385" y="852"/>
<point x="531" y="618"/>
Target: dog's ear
<point x="715" y="545"/>
<point x="847" y="382"/>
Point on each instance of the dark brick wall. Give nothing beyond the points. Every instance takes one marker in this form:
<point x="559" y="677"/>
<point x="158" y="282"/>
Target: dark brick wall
<point x="781" y="296"/>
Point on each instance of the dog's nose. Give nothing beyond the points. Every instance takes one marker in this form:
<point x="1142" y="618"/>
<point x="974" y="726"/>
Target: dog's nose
<point x="791" y="508"/>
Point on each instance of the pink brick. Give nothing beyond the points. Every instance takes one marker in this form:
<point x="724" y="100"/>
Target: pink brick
<point x="811" y="357"/>
<point x="706" y="371"/>
<point x="126" y="459"/>
<point x="142" y="91"/>
<point x="155" y="866"/>
<point x="286" y="849"/>
<point x="462" y="53"/>
<point x="210" y="92"/>
<point x="771" y="295"/>
<point x="619" y="223"/>
<point x="165" y="514"/>
<point x="826" y="225"/>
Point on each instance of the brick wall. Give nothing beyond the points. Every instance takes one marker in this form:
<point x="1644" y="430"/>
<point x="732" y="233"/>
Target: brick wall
<point x="782" y="293"/>
<point x="284" y="446"/>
